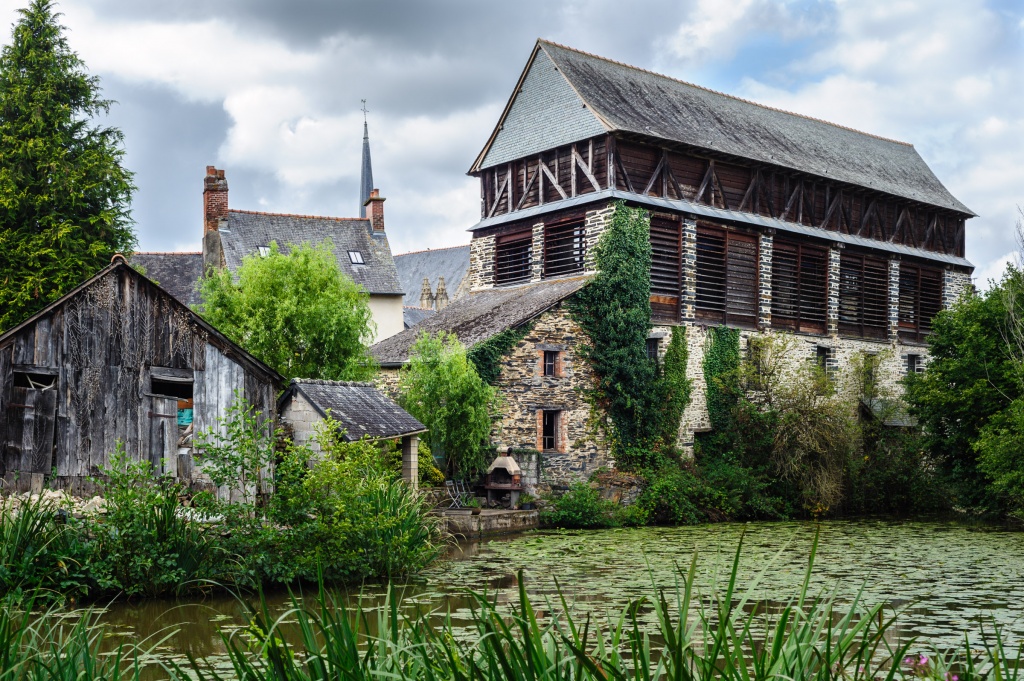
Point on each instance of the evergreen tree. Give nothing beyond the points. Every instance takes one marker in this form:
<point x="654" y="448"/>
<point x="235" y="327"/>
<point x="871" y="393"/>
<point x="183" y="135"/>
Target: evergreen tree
<point x="64" y="196"/>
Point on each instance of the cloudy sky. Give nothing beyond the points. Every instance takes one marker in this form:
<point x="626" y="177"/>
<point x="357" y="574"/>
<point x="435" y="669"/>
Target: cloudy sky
<point x="270" y="91"/>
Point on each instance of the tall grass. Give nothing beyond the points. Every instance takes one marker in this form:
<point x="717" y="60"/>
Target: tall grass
<point x="38" y="551"/>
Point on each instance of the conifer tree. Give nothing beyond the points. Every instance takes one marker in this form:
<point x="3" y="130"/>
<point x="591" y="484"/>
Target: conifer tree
<point x="64" y="195"/>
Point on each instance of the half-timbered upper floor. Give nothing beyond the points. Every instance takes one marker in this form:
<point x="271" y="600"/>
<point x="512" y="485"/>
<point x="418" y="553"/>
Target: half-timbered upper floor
<point x="579" y="125"/>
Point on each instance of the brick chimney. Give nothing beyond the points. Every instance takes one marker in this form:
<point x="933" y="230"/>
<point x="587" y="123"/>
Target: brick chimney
<point x="215" y="209"/>
<point x="375" y="210"/>
<point x="215" y="199"/>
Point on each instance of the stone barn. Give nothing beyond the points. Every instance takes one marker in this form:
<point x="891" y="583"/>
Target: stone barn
<point x="359" y="409"/>
<point x="118" y="361"/>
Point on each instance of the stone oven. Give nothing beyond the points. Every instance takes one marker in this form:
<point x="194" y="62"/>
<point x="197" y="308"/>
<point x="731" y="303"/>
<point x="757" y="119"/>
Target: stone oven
<point x="504" y="475"/>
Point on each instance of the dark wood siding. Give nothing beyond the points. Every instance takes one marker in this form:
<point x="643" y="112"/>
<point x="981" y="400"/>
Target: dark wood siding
<point x="920" y="300"/>
<point x="863" y="296"/>
<point x="727" y="277"/>
<point x="666" y="268"/>
<point x="799" y="286"/>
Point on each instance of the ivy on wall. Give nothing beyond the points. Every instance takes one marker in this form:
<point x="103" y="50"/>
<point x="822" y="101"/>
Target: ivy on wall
<point x="721" y="371"/>
<point x="487" y="356"/>
<point x="614" y="312"/>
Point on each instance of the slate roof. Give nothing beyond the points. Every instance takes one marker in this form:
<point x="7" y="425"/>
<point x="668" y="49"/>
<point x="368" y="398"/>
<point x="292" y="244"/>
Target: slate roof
<point x="475" y="317"/>
<point x="451" y="263"/>
<point x="176" y="273"/>
<point x="245" y="231"/>
<point x="360" y="408"/>
<point x="414" y="315"/>
<point x="629" y="100"/>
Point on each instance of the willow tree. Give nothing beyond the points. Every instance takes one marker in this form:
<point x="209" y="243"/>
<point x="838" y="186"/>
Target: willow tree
<point x="64" y="195"/>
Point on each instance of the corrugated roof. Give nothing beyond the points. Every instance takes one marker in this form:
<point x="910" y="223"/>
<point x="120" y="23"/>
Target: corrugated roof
<point x="631" y="100"/>
<point x="246" y="231"/>
<point x="731" y="216"/>
<point x="361" y="409"/>
<point x="176" y="273"/>
<point x="451" y="263"/>
<point x="475" y="317"/>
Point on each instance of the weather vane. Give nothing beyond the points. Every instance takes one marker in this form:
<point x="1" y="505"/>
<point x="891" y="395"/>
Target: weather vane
<point x="365" y="110"/>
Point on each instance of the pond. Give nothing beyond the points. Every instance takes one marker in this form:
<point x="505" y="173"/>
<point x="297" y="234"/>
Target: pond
<point x="943" y="579"/>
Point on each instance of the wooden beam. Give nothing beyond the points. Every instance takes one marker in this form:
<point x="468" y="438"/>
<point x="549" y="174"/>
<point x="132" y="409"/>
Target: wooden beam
<point x="717" y="184"/>
<point x="572" y="170"/>
<point x="654" y="175"/>
<point x="498" y="192"/>
<point x="793" y="198"/>
<point x="553" y="179"/>
<point x="831" y="209"/>
<point x="611" y="154"/>
<point x="748" y="196"/>
<point x="866" y="217"/>
<point x="625" y="175"/>
<point x="903" y="215"/>
<point x="527" y="187"/>
<point x="508" y="181"/>
<point x="672" y="179"/>
<point x="577" y="159"/>
<point x="708" y="174"/>
<point x="540" y="180"/>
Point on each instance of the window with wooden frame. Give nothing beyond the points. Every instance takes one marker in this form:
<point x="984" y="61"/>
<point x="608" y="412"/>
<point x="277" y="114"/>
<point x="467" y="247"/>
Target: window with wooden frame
<point x="549" y="430"/>
<point x="920" y="301"/>
<point x="666" y="268"/>
<point x="799" y="286"/>
<point x="863" y="296"/>
<point x="726" y="277"/>
<point x="551" y="362"/>
<point x="513" y="258"/>
<point x="565" y="248"/>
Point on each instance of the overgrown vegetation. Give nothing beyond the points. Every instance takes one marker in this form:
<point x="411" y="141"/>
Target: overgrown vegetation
<point x="614" y="311"/>
<point x="343" y="515"/>
<point x="488" y="355"/>
<point x="297" y="312"/>
<point x="64" y="195"/>
<point x="441" y="388"/>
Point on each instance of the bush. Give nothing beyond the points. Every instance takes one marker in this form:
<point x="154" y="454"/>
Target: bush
<point x="581" y="507"/>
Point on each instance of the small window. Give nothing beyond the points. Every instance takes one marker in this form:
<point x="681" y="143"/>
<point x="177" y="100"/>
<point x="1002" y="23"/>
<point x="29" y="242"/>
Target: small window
<point x="821" y="354"/>
<point x="653" y="345"/>
<point x="165" y="387"/>
<point x="33" y="381"/>
<point x="264" y="251"/>
<point x="914" y="364"/>
<point x="549" y="436"/>
<point x="550" y="362"/>
<point x="356" y="257"/>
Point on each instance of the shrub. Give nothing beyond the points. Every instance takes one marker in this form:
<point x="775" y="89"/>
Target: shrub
<point x="581" y="507"/>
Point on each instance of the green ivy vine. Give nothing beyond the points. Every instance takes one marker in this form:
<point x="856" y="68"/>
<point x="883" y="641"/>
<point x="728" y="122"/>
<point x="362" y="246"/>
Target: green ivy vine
<point x="487" y="356"/>
<point x="721" y="365"/>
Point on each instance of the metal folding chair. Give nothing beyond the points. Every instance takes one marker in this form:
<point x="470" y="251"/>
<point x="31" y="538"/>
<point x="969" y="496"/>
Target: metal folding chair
<point x="454" y="493"/>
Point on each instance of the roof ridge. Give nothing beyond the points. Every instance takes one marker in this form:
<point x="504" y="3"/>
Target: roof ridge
<point x="323" y="381"/>
<point x="723" y="94"/>
<point x="431" y="250"/>
<point x="297" y="215"/>
<point x="417" y="307"/>
<point x="134" y="253"/>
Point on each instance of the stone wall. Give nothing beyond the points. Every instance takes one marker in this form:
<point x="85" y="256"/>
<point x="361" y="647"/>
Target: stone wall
<point x="527" y="393"/>
<point x="954" y="285"/>
<point x="481" y="263"/>
<point x="301" y="418"/>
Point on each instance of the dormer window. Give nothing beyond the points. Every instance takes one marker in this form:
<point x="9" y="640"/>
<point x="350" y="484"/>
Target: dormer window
<point x="264" y="251"/>
<point x="356" y="257"/>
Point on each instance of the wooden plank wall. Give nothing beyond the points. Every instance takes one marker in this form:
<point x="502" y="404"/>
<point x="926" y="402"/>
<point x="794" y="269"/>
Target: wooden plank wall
<point x="762" y="190"/>
<point x="101" y="343"/>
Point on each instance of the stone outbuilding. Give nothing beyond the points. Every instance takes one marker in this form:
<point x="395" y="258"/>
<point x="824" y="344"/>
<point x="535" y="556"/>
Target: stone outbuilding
<point x="360" y="411"/>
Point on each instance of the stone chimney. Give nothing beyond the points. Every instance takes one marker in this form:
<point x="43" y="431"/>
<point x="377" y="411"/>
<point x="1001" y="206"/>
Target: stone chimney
<point x="215" y="211"/>
<point x="426" y="296"/>
<point x="375" y="210"/>
<point x="441" y="297"/>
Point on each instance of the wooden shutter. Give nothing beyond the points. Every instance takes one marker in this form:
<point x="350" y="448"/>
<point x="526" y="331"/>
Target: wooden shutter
<point x="666" y="274"/>
<point x="799" y="286"/>
<point x="513" y="258"/>
<point x="863" y="296"/>
<point x="31" y="416"/>
<point x="565" y="247"/>
<point x="920" y="301"/>
<point x="726" y="277"/>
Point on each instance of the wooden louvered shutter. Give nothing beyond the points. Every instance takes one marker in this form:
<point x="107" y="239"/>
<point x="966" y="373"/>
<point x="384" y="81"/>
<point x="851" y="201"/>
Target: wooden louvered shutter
<point x="565" y="248"/>
<point x="726" y="277"/>
<point x="799" y="286"/>
<point x="863" y="296"/>
<point x="513" y="258"/>
<point x="666" y="274"/>
<point x="920" y="301"/>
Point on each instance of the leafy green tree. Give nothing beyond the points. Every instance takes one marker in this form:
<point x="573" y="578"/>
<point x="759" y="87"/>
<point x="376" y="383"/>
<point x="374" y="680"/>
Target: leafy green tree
<point x="441" y="388"/>
<point x="970" y="378"/>
<point x="298" y="312"/>
<point x="64" y="196"/>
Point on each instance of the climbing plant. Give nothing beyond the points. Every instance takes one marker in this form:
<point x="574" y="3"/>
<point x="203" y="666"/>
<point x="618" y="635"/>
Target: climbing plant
<point x="675" y="386"/>
<point x="721" y="374"/>
<point x="614" y="312"/>
<point x="487" y="356"/>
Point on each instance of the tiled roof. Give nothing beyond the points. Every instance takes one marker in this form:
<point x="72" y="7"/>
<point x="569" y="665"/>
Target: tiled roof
<point x="629" y="100"/>
<point x="475" y="317"/>
<point x="246" y="231"/>
<point x="414" y="315"/>
<point x="451" y="263"/>
<point x="176" y="273"/>
<point x="360" y="408"/>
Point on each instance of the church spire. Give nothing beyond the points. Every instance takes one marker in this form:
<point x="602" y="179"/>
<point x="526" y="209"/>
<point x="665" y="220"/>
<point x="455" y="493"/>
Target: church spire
<point x="366" y="175"/>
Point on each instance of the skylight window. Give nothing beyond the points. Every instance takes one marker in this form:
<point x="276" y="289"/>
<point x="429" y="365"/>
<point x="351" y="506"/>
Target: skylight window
<point x="356" y="257"/>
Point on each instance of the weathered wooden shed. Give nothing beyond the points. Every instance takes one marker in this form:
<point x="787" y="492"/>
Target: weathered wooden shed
<point x="360" y="411"/>
<point x="117" y="360"/>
